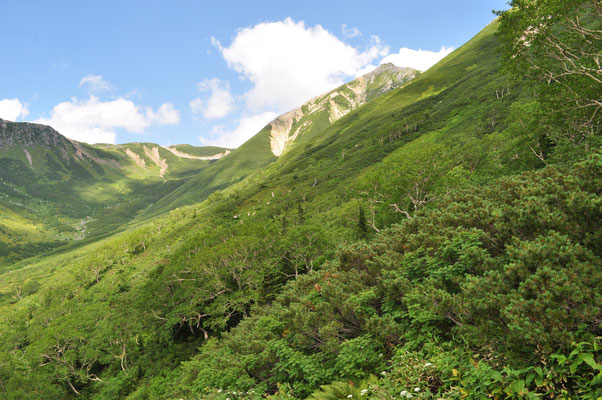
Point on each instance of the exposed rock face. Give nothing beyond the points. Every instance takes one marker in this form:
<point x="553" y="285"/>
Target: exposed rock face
<point x="287" y="127"/>
<point x="27" y="135"/>
<point x="181" y="154"/>
<point x="137" y="159"/>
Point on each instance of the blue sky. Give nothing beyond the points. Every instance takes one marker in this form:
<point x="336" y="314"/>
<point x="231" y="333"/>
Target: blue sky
<point x="204" y="72"/>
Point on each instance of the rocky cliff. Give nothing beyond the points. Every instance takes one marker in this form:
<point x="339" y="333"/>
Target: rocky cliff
<point x="25" y="134"/>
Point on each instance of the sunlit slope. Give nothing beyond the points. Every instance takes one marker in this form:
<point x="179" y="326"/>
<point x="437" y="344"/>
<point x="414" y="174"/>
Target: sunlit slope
<point x="54" y="190"/>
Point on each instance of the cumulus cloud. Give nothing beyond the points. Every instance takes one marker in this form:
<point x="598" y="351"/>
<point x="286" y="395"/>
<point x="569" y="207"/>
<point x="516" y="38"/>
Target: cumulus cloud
<point x="417" y="59"/>
<point x="288" y="63"/>
<point x="95" y="83"/>
<point x="94" y="121"/>
<point x="245" y="128"/>
<point x="166" y="114"/>
<point x="11" y="109"/>
<point x="220" y="102"/>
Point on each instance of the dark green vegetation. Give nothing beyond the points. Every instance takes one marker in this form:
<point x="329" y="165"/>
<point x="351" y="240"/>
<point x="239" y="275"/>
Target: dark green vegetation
<point x="420" y="246"/>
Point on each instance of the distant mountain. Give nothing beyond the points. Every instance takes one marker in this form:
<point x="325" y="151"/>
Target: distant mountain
<point x="28" y="135"/>
<point x="300" y="126"/>
<point x="321" y="111"/>
<point x="54" y="190"/>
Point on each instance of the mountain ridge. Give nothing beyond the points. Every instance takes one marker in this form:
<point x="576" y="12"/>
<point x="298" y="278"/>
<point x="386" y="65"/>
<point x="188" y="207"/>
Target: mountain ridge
<point x="56" y="191"/>
<point x="336" y="103"/>
<point x="29" y="134"/>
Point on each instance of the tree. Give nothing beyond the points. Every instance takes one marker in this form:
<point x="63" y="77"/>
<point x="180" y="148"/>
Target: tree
<point x="300" y="213"/>
<point x="556" y="45"/>
<point x="361" y="221"/>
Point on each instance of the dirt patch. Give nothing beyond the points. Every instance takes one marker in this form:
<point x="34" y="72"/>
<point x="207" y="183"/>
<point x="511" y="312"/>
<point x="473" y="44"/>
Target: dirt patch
<point x="153" y="154"/>
<point x="281" y="128"/>
<point x="136" y="158"/>
<point x="181" y="154"/>
<point x="28" y="157"/>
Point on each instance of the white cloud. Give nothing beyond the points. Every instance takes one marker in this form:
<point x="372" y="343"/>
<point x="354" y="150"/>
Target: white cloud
<point x="288" y="63"/>
<point x="220" y="102"/>
<point x="417" y="59"/>
<point x="95" y="83"/>
<point x="368" y="68"/>
<point x="246" y="128"/>
<point x="95" y="121"/>
<point x="197" y="105"/>
<point x="11" y="109"/>
<point x="166" y="114"/>
<point x="350" y="32"/>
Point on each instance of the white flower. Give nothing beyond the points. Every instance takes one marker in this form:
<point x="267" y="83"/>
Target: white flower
<point x="417" y="389"/>
<point x="383" y="373"/>
<point x="380" y="355"/>
<point x="428" y="364"/>
<point x="219" y="390"/>
<point x="364" y="391"/>
<point x="350" y="396"/>
<point x="405" y="393"/>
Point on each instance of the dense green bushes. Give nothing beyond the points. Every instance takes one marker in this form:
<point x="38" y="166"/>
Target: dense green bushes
<point x="509" y="271"/>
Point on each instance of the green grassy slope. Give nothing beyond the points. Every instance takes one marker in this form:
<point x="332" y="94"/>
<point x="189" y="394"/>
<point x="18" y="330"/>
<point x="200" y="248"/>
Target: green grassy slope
<point x="251" y="268"/>
<point x="54" y="191"/>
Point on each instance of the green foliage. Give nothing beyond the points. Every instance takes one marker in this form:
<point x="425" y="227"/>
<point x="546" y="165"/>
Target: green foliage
<point x="455" y="373"/>
<point x="557" y="44"/>
<point x="345" y="390"/>
<point x="487" y="265"/>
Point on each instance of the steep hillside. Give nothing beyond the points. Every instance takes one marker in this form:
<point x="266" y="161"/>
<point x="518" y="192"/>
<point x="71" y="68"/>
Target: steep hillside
<point x="54" y="190"/>
<point x="299" y="127"/>
<point x="418" y="237"/>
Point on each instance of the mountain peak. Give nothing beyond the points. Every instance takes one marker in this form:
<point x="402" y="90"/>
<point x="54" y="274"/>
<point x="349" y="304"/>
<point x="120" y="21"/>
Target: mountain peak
<point x="390" y="67"/>
<point x="27" y="134"/>
<point x="387" y="66"/>
<point x="335" y="104"/>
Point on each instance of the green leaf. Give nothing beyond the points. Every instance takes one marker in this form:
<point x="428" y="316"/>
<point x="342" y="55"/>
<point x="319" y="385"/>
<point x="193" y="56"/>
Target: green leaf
<point x="597" y="380"/>
<point x="516" y="387"/>
<point x="578" y="362"/>
<point x="589" y="360"/>
<point x="496" y="376"/>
